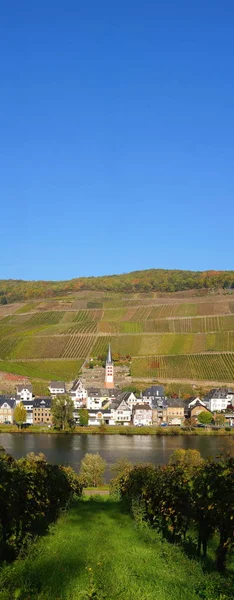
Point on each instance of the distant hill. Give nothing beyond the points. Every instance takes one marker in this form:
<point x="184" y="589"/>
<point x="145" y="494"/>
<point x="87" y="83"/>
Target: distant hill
<point x="184" y="336"/>
<point x="151" y="280"/>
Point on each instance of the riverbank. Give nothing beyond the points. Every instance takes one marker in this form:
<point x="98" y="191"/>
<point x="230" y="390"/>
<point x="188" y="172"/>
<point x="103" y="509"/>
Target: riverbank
<point x="95" y="550"/>
<point x="119" y="430"/>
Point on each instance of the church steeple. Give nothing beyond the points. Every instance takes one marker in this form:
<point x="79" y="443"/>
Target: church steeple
<point x="109" y="371"/>
<point x="109" y="357"/>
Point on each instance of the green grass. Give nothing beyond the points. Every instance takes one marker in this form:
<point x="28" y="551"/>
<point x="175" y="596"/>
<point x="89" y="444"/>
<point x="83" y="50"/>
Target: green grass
<point x="28" y="307"/>
<point x="96" y="551"/>
<point x="65" y="370"/>
<point x="40" y="347"/>
<point x="40" y="387"/>
<point x="120" y="430"/>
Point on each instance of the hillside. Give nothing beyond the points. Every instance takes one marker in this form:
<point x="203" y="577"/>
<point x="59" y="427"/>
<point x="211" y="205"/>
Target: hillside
<point x="151" y="280"/>
<point x="175" y="336"/>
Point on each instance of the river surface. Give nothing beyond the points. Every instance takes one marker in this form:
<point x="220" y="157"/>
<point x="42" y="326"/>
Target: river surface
<point x="70" y="449"/>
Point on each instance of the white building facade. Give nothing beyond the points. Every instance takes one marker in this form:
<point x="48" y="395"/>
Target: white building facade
<point x="23" y="393"/>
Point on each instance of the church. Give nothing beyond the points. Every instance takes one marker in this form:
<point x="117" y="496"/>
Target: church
<point x="109" y="370"/>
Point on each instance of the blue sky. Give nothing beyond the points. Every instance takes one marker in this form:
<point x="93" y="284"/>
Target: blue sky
<point x="116" y="136"/>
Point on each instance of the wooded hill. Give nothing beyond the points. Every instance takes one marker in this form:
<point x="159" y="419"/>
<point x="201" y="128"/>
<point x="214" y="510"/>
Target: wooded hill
<point x="151" y="280"/>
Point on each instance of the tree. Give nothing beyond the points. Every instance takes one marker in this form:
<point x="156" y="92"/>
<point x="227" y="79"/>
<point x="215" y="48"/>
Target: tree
<point x="62" y="411"/>
<point x="84" y="416"/>
<point x="190" y="422"/>
<point x="121" y="470"/>
<point x="205" y="417"/>
<point x="20" y="414"/>
<point x="121" y="466"/>
<point x="92" y="470"/>
<point x="187" y="459"/>
<point x="220" y="420"/>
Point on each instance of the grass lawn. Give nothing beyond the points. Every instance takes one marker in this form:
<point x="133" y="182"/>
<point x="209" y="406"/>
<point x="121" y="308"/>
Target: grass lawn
<point x="66" y="370"/>
<point x="96" y="551"/>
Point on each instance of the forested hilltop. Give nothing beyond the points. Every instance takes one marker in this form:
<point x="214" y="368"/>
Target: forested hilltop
<point x="151" y="280"/>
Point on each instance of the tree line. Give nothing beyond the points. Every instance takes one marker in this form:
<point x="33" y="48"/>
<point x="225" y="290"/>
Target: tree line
<point x="151" y="280"/>
<point x="189" y="497"/>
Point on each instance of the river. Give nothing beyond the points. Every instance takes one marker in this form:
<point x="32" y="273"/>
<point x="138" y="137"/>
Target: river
<point x="70" y="449"/>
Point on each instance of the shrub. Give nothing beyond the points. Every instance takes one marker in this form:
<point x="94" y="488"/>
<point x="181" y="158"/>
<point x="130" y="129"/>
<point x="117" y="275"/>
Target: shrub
<point x="74" y="480"/>
<point x="174" y="497"/>
<point x="92" y="470"/>
<point x="32" y="493"/>
<point x="121" y="469"/>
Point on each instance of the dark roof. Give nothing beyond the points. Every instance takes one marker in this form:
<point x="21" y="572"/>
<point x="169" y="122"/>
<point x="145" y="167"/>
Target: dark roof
<point x="93" y="391"/>
<point x="42" y="403"/>
<point x="57" y="384"/>
<point x="154" y="390"/>
<point x="176" y="402"/>
<point x="26" y="402"/>
<point x="26" y="386"/>
<point x="113" y="392"/>
<point x="124" y="396"/>
<point x="76" y="384"/>
<point x="101" y="392"/>
<point x="142" y="406"/>
<point x="8" y="399"/>
<point x="116" y="403"/>
<point x="100" y="410"/>
<point x="159" y="403"/>
<point x="198" y="402"/>
<point x="219" y="393"/>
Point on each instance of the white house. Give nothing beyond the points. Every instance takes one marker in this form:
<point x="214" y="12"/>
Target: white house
<point x="28" y="405"/>
<point x="142" y="414"/>
<point x="7" y="406"/>
<point x="57" y="387"/>
<point x="100" y="397"/>
<point x="78" y="394"/>
<point x="152" y="395"/>
<point x="194" y="401"/>
<point x="23" y="392"/>
<point x="219" y="399"/>
<point x="121" y="412"/>
<point x="129" y="398"/>
<point x="97" y="417"/>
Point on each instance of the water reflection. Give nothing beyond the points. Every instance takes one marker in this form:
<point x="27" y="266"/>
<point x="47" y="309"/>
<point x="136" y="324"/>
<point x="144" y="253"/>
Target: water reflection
<point x="70" y="449"/>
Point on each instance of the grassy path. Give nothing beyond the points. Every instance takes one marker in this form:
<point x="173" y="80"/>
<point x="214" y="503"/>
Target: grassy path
<point x="96" y="551"/>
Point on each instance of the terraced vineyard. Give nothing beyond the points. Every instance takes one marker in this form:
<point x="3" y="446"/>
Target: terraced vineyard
<point x="213" y="367"/>
<point x="78" y="346"/>
<point x="168" y="338"/>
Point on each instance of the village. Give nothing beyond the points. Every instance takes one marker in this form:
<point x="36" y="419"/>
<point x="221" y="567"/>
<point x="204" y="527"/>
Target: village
<point x="112" y="406"/>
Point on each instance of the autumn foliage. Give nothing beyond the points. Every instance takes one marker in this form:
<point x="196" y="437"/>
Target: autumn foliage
<point x="151" y="280"/>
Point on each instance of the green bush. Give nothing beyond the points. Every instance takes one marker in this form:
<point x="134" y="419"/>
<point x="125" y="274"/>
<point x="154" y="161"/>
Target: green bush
<point x="196" y="495"/>
<point x="32" y="493"/>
